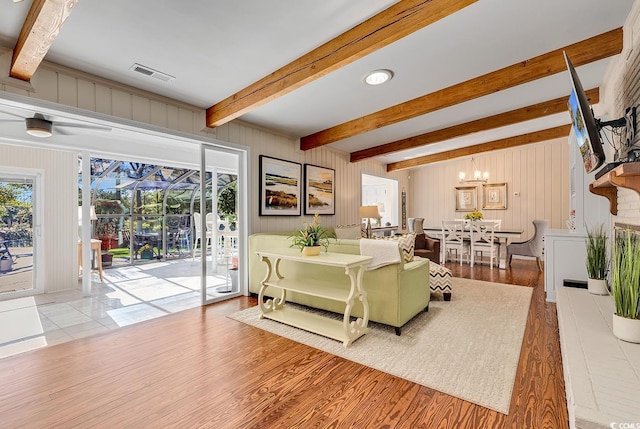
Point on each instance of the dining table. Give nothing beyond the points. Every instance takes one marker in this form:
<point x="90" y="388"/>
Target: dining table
<point x="502" y="235"/>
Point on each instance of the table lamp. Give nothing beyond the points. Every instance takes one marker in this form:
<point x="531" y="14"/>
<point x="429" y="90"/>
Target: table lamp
<point x="369" y="212"/>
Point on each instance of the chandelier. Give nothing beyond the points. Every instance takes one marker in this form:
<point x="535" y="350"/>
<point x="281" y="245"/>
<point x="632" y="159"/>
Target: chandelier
<point x="477" y="177"/>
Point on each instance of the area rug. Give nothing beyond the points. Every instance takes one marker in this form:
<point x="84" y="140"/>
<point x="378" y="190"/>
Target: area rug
<point x="468" y="347"/>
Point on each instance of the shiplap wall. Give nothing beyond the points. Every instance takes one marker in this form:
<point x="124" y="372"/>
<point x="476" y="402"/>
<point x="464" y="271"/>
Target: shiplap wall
<point x="538" y="172"/>
<point x="348" y="175"/>
<point x="76" y="89"/>
<point x="622" y="90"/>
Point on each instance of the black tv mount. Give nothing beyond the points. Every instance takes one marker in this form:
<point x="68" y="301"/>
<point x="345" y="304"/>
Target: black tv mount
<point x="630" y="116"/>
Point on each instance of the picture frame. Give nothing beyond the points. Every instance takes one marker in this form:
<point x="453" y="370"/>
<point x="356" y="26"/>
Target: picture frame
<point x="280" y="187"/>
<point x="466" y="198"/>
<point x="494" y="196"/>
<point x="319" y="190"/>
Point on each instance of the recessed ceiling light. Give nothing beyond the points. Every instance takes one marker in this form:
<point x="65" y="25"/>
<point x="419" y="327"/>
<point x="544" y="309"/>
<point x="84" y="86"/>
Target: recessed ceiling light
<point x="378" y="77"/>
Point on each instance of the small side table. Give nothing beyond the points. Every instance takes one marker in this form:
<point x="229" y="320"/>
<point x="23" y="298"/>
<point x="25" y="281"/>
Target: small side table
<point x="96" y="247"/>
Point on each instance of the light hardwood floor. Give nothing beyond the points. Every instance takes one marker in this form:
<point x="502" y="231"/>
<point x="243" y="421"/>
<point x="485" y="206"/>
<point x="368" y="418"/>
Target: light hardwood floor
<point x="197" y="368"/>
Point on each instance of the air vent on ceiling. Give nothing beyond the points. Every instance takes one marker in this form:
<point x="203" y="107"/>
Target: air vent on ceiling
<point x="151" y="72"/>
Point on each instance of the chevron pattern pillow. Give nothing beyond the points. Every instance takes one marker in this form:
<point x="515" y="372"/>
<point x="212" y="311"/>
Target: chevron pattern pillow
<point x="406" y="243"/>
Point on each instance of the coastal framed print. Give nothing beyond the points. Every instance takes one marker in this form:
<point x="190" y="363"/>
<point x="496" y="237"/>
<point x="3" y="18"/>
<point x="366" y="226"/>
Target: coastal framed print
<point x="494" y="196"/>
<point x="280" y="186"/>
<point x="319" y="190"/>
<point x="466" y="198"/>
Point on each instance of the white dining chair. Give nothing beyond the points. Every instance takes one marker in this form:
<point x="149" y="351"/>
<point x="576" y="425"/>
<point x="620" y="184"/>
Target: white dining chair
<point x="498" y="223"/>
<point x="483" y="241"/>
<point x="453" y="235"/>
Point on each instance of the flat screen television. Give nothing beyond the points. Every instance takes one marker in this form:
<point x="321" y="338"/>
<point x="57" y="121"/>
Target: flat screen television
<point x="584" y="124"/>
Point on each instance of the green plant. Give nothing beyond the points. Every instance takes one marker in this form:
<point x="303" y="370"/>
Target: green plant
<point x="145" y="248"/>
<point x="625" y="276"/>
<point x="311" y="235"/>
<point x="474" y="215"/>
<point x="597" y="261"/>
<point x="227" y="203"/>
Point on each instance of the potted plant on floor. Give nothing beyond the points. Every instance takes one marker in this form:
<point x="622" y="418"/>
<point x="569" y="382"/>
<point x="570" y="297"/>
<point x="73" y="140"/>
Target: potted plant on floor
<point x="311" y="238"/>
<point x="597" y="261"/>
<point x="625" y="287"/>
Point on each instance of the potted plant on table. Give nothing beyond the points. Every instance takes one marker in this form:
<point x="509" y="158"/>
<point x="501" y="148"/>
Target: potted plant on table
<point x="146" y="251"/>
<point x="597" y="261"/>
<point x="311" y="238"/>
<point x="625" y="287"/>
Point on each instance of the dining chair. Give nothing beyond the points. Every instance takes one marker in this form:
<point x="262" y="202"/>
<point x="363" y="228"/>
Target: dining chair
<point x="498" y="223"/>
<point x="533" y="247"/>
<point x="453" y="235"/>
<point x="483" y="240"/>
<point x="415" y="224"/>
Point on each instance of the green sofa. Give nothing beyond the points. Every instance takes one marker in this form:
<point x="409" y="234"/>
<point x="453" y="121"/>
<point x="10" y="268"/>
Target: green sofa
<point x="396" y="293"/>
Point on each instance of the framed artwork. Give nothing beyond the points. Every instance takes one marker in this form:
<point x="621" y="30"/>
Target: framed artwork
<point x="280" y="185"/>
<point x="466" y="198"/>
<point x="319" y="190"/>
<point x="494" y="196"/>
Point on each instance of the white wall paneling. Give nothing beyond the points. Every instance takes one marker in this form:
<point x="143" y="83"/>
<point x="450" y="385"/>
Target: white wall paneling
<point x="537" y="172"/>
<point x="60" y="200"/>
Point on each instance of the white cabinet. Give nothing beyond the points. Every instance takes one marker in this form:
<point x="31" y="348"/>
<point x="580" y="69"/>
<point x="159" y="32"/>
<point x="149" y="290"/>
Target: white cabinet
<point x="565" y="254"/>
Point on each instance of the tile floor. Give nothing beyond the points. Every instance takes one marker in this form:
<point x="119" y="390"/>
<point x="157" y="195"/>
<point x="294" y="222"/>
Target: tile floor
<point x="127" y="295"/>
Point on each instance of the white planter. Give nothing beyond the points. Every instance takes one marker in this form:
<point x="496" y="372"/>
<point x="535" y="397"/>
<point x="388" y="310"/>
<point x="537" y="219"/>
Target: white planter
<point x="597" y="286"/>
<point x="311" y="250"/>
<point x="626" y="329"/>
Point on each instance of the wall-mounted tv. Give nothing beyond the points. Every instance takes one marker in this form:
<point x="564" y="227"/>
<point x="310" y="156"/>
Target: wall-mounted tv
<point x="584" y="124"/>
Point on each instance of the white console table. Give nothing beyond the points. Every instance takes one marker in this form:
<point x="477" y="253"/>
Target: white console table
<point x="346" y="331"/>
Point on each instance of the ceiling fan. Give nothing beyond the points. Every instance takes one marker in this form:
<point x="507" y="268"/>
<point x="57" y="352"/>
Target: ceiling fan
<point x="39" y="126"/>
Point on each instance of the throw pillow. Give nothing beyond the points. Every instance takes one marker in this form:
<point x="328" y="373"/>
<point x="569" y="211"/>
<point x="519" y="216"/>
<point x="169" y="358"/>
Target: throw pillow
<point x="406" y="243"/>
<point x="348" y="231"/>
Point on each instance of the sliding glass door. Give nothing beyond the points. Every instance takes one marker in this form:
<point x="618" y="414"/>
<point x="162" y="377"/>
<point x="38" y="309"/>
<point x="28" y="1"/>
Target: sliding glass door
<point x="219" y="241"/>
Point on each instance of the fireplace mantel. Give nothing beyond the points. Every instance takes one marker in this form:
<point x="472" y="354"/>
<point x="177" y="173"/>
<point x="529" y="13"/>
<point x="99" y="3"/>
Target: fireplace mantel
<point x="625" y="175"/>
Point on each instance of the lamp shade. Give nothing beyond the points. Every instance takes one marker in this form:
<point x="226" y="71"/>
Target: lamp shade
<point x="369" y="212"/>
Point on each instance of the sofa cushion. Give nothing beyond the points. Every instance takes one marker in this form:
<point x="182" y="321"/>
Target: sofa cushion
<point x="349" y="231"/>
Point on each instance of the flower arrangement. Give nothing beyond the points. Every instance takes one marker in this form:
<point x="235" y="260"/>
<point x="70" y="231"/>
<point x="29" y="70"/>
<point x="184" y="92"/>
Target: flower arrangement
<point x="311" y="235"/>
<point x="474" y="215"/>
<point x="145" y="248"/>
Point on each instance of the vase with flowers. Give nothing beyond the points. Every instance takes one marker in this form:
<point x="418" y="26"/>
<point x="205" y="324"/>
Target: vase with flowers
<point x="474" y="215"/>
<point x="311" y="238"/>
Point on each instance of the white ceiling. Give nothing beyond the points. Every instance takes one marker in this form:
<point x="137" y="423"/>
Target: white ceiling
<point x="215" y="48"/>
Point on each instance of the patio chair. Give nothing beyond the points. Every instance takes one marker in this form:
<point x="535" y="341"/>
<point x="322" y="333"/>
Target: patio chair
<point x="197" y="224"/>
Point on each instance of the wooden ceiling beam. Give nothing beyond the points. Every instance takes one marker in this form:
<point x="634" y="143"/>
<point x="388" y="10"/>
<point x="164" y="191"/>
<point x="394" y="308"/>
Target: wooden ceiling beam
<point x="40" y="28"/>
<point x="586" y="51"/>
<point x="388" y="26"/>
<point x="534" y="111"/>
<point x="506" y="143"/>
